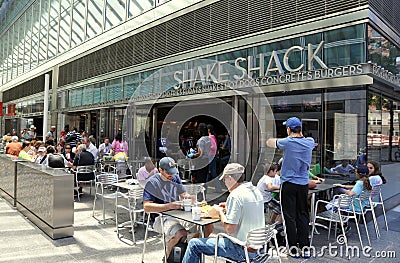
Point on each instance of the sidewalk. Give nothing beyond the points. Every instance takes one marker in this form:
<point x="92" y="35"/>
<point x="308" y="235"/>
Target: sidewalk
<point x="21" y="241"/>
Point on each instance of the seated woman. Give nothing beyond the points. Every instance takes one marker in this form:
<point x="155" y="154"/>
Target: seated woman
<point x="146" y="171"/>
<point x="375" y="174"/>
<point x="362" y="184"/>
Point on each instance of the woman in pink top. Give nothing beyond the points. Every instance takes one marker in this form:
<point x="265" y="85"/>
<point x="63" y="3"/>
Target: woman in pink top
<point x="213" y="158"/>
<point x="146" y="171"/>
<point x="119" y="145"/>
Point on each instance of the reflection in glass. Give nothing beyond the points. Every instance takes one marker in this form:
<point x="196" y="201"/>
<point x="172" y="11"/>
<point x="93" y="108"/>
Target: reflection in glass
<point x="115" y="13"/>
<point x="94" y="24"/>
<point x="78" y="22"/>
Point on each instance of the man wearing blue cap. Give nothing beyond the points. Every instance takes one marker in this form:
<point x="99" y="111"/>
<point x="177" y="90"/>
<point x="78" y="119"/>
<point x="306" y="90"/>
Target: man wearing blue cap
<point x="294" y="188"/>
<point x="161" y="193"/>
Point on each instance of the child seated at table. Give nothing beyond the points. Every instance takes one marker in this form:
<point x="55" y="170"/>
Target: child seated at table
<point x="266" y="185"/>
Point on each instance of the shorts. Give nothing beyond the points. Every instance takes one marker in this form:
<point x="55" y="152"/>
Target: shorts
<point x="274" y="205"/>
<point x="172" y="226"/>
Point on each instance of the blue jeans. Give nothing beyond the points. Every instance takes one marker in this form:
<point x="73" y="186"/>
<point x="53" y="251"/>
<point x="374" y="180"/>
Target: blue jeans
<point x="206" y="246"/>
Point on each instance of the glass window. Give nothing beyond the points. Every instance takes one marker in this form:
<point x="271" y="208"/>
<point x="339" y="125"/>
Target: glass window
<point x="344" y="46"/>
<point x="10" y="53"/>
<point x="15" y="45"/>
<point x="99" y="94"/>
<point x="115" y="13"/>
<point x="65" y="27"/>
<point x="44" y="21"/>
<point x="87" y="95"/>
<point x="130" y="85"/>
<point x="114" y="89"/>
<point x="94" y="24"/>
<point x="35" y="35"/>
<point x="28" y="36"/>
<point x="138" y="7"/>
<point x="20" y="45"/>
<point x="78" y="23"/>
<point x="53" y="28"/>
<point x="345" y="126"/>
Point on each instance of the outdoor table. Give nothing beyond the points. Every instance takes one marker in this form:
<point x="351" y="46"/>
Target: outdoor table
<point x="187" y="216"/>
<point x="327" y="185"/>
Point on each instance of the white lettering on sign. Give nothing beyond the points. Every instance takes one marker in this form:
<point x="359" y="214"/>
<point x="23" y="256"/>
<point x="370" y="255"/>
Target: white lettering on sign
<point x="214" y="73"/>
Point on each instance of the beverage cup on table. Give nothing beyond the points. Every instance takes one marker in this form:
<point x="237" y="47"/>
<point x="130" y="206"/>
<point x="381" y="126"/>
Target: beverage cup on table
<point x="187" y="204"/>
<point x="196" y="212"/>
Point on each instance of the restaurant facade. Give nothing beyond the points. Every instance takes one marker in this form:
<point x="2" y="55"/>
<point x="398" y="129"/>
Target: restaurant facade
<point x="244" y="66"/>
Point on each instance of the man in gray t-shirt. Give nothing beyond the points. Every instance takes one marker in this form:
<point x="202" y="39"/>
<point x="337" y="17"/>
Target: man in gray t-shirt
<point x="201" y="158"/>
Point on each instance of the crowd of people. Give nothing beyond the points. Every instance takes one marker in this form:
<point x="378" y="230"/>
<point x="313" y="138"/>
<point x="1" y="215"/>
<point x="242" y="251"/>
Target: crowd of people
<point x="283" y="188"/>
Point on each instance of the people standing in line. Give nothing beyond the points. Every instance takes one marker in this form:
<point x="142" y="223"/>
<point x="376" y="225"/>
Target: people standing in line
<point x="213" y="158"/>
<point x="242" y="213"/>
<point x="51" y="136"/>
<point x="13" y="147"/>
<point x="24" y="134"/>
<point x="119" y="145"/>
<point x="201" y="157"/>
<point x="73" y="137"/>
<point x="63" y="136"/>
<point x="32" y="133"/>
<point x="225" y="151"/>
<point x="294" y="189"/>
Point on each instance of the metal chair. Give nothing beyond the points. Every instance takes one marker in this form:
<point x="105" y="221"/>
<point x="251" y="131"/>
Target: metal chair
<point x="376" y="199"/>
<point x="342" y="211"/>
<point x="134" y="199"/>
<point x="195" y="189"/>
<point x="256" y="239"/>
<point x="103" y="181"/>
<point x="162" y="236"/>
<point x="85" y="169"/>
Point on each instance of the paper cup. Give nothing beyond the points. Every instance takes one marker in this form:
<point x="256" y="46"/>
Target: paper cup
<point x="196" y="212"/>
<point x="187" y="205"/>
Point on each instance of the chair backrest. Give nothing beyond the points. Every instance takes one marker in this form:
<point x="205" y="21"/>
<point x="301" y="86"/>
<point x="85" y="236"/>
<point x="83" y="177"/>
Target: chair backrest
<point x="345" y="202"/>
<point x="376" y="193"/>
<point x="86" y="169"/>
<point x="194" y="189"/>
<point x="259" y="238"/>
<point x="136" y="194"/>
<point x="107" y="178"/>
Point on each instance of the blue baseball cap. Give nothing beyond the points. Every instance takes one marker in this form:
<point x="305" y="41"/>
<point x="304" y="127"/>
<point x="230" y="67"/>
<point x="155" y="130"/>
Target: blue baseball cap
<point x="168" y="164"/>
<point x="292" y="123"/>
<point x="362" y="170"/>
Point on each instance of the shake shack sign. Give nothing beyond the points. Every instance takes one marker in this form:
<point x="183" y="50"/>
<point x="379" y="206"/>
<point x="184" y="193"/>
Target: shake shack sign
<point x="251" y="71"/>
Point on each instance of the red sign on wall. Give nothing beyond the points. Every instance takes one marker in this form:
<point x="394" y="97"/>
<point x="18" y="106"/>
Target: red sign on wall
<point x="1" y="108"/>
<point x="11" y="109"/>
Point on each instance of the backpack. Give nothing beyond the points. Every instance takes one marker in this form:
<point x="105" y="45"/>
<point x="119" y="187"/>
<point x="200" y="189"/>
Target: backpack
<point x="71" y="138"/>
<point x="177" y="253"/>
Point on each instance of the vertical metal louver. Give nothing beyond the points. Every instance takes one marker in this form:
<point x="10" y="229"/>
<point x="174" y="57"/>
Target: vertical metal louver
<point x="172" y="36"/>
<point x="219" y="13"/>
<point x="202" y="22"/>
<point x="216" y="22"/>
<point x="238" y="18"/>
<point x="28" y="88"/>
<point x="260" y="17"/>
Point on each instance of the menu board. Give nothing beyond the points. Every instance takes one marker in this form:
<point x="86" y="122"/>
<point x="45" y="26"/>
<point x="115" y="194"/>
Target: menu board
<point x="345" y="136"/>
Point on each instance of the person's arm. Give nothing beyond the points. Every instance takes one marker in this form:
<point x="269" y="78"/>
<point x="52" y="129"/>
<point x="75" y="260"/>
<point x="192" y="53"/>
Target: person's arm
<point x="229" y="228"/>
<point x="271" y="142"/>
<point x="271" y="187"/>
<point x="151" y="207"/>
